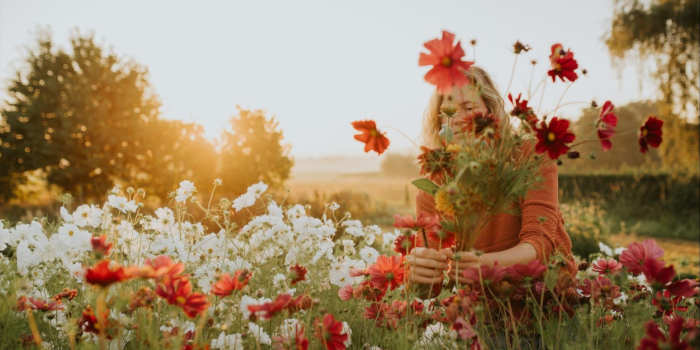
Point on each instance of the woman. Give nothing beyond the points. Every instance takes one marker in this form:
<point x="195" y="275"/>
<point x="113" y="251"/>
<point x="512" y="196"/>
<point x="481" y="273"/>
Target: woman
<point x="535" y="234"/>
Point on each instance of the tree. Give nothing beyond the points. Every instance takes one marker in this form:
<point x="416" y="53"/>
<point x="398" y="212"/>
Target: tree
<point x="179" y="152"/>
<point x="669" y="31"/>
<point x="253" y="151"/>
<point x="74" y="115"/>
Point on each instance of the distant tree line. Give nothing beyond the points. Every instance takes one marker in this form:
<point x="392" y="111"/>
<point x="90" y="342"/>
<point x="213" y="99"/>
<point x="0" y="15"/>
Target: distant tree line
<point x="88" y="118"/>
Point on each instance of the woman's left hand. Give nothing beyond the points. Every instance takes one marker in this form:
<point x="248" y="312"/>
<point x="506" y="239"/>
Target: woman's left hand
<point x="466" y="260"/>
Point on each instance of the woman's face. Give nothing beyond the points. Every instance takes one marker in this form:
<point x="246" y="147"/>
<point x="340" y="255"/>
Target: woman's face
<point x="466" y="102"/>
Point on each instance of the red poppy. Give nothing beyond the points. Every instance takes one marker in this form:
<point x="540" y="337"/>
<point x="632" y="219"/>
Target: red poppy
<point x="24" y="303"/>
<point x="446" y="59"/>
<point x="553" y="137"/>
<point x="386" y="272"/>
<point x="374" y="139"/>
<point x="650" y="134"/>
<point x="298" y="273"/>
<point x="104" y="275"/>
<point x="330" y="332"/>
<point x="227" y="284"/>
<point x="563" y="64"/>
<point x="100" y="245"/>
<point x="404" y="243"/>
<point x="606" y="266"/>
<point x="636" y="254"/>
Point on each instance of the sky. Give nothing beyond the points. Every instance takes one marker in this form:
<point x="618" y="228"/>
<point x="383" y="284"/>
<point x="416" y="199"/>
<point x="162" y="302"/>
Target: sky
<point x="316" y="66"/>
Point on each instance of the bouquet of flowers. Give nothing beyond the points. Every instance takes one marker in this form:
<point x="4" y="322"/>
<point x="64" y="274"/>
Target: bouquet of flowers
<point x="496" y="160"/>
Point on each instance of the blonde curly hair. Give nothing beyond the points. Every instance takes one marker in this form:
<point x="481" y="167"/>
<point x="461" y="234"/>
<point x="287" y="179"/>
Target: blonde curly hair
<point x="489" y="94"/>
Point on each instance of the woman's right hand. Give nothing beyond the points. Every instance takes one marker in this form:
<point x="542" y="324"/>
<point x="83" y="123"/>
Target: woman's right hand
<point x="426" y="265"/>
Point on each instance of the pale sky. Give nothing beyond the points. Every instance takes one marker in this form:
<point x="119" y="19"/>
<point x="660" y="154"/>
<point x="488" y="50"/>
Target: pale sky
<point x="319" y="65"/>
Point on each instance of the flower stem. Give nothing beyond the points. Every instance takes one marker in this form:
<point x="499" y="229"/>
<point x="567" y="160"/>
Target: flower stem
<point x="33" y="327"/>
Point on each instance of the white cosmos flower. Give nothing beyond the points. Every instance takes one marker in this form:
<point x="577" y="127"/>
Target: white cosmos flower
<point x="369" y="254"/>
<point x="122" y="204"/>
<point x="259" y="334"/>
<point x="248" y="199"/>
<point x="4" y="237"/>
<point x="228" y="342"/>
<point x="348" y="331"/>
<point x="87" y="215"/>
<point x="184" y="192"/>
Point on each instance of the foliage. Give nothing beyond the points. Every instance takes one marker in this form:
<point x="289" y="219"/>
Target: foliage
<point x="668" y="31"/>
<point x="74" y="114"/>
<point x="40" y="261"/>
<point x="586" y="224"/>
<point x="253" y="151"/>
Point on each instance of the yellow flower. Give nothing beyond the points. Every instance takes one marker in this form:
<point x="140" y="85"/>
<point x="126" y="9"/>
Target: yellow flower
<point x="443" y="204"/>
<point x="454" y="148"/>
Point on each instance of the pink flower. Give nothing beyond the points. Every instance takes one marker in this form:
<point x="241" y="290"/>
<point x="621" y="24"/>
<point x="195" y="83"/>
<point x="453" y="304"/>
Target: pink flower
<point x="636" y="253"/>
<point x="606" y="266"/>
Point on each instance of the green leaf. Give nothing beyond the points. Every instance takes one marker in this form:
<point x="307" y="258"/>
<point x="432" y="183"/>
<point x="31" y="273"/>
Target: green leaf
<point x="426" y="185"/>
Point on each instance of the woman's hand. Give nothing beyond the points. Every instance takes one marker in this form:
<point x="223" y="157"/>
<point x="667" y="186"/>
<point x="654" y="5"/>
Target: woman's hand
<point x="426" y="265"/>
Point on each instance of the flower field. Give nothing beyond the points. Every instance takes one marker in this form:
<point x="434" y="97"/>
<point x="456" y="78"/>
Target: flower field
<point x="114" y="276"/>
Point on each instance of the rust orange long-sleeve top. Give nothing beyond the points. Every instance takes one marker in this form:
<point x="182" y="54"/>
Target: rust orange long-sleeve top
<point x="540" y="222"/>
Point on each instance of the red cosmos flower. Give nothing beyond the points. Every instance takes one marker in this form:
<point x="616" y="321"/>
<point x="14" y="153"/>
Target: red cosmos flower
<point x="404" y="243"/>
<point x="650" y="134"/>
<point x="88" y="321"/>
<point x="104" y="275"/>
<point x="683" y="288"/>
<point x="656" y="274"/>
<point x="24" y="303"/>
<point x="446" y="59"/>
<point x="424" y="221"/>
<point x="435" y="163"/>
<point x="655" y="338"/>
<point x="387" y="271"/>
<point x="298" y="273"/>
<point x="606" y="266"/>
<point x="345" y="293"/>
<point x="270" y="309"/>
<point x="488" y="275"/>
<point x="534" y="270"/>
<point x="374" y="139"/>
<point x="476" y="123"/>
<point x="194" y="304"/>
<point x="563" y="64"/>
<point x="300" y="341"/>
<point x="606" y="125"/>
<point x="100" y="245"/>
<point x="635" y="255"/>
<point x="178" y="291"/>
<point x="302" y="302"/>
<point x="330" y="332"/>
<point x="161" y="266"/>
<point x="442" y="238"/>
<point x="227" y="284"/>
<point x="66" y="293"/>
<point x="553" y="138"/>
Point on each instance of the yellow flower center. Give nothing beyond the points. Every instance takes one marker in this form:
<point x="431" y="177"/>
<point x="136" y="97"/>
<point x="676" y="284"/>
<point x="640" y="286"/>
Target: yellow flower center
<point x="551" y="136"/>
<point x="644" y="132"/>
<point x="446" y="61"/>
<point x="180" y="300"/>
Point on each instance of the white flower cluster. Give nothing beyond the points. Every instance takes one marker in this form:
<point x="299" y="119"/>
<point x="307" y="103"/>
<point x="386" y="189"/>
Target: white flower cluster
<point x="272" y="242"/>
